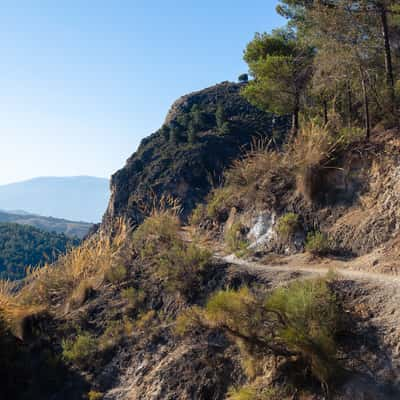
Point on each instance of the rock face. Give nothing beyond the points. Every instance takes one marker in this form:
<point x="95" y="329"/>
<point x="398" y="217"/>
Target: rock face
<point x="203" y="132"/>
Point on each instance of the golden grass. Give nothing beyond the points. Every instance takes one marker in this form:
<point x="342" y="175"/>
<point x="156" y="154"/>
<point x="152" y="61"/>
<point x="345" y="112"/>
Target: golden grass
<point x="81" y="269"/>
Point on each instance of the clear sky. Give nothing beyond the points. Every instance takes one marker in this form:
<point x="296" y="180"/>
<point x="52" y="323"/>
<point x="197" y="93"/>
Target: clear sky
<point x="83" y="81"/>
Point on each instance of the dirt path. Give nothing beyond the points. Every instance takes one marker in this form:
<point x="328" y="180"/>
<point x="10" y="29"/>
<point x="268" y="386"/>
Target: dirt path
<point x="374" y="296"/>
<point x="300" y="264"/>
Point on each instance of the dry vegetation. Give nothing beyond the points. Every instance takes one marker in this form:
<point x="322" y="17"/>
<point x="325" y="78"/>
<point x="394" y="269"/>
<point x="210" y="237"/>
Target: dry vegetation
<point x="297" y="323"/>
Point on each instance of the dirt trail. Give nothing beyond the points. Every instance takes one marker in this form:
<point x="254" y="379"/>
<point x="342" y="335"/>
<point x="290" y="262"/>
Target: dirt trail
<point x="374" y="296"/>
<point x="299" y="263"/>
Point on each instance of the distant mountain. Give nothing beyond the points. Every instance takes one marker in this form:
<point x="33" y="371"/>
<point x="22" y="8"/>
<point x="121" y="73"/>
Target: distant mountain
<point x="80" y="198"/>
<point x="49" y="224"/>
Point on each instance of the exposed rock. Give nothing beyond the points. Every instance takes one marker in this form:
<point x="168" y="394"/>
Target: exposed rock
<point x="187" y="171"/>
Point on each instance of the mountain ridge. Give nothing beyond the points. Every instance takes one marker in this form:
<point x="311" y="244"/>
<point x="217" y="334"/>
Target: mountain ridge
<point x="76" y="198"/>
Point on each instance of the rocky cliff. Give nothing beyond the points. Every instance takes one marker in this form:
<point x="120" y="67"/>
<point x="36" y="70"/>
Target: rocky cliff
<point x="203" y="132"/>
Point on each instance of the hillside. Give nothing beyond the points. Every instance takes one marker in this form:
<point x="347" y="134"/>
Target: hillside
<point x="202" y="134"/>
<point x="243" y="255"/>
<point x="25" y="246"/>
<point x="48" y="224"/>
<point x="74" y="198"/>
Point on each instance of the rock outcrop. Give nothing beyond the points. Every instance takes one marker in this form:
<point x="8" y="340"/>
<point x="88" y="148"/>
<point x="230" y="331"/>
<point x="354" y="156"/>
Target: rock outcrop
<point x="203" y="132"/>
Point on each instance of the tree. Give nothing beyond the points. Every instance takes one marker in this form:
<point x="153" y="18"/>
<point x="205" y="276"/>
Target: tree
<point x="220" y="116"/>
<point x="281" y="67"/>
<point x="243" y="78"/>
<point x="378" y="12"/>
<point x="192" y="134"/>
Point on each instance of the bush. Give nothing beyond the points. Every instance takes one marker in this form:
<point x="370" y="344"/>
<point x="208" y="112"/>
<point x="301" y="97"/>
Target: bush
<point x="198" y="214"/>
<point x="181" y="266"/>
<point x="225" y="129"/>
<point x="134" y="297"/>
<point x="81" y="350"/>
<point x="317" y="243"/>
<point x="287" y="225"/>
<point x="349" y="135"/>
<point x="93" y="395"/>
<point x="116" y="274"/>
<point x="235" y="239"/>
<point x="156" y="233"/>
<point x="299" y="321"/>
<point x="177" y="263"/>
<point x="219" y="202"/>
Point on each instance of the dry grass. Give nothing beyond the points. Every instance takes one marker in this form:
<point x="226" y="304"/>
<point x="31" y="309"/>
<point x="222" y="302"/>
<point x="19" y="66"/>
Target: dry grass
<point x="76" y="273"/>
<point x="310" y="154"/>
<point x="12" y="311"/>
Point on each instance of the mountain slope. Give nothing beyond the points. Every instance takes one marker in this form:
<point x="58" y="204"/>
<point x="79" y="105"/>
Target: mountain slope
<point x="203" y="133"/>
<point x="49" y="224"/>
<point x="79" y="198"/>
<point x="24" y="246"/>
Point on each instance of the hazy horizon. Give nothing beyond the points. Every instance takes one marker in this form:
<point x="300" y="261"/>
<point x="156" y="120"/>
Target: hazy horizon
<point x="81" y="86"/>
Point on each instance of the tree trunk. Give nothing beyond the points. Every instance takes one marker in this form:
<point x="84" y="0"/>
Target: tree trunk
<point x="350" y="104"/>
<point x="295" y="118"/>
<point x="325" y="112"/>
<point x="388" y="54"/>
<point x="366" y="108"/>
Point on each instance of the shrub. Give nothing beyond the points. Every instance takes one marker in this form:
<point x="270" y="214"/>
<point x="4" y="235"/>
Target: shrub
<point x="220" y="116"/>
<point x="349" y="135"/>
<point x="156" y="233"/>
<point x="317" y="243"/>
<point x="177" y="263"/>
<point x="135" y="297"/>
<point x="181" y="266"/>
<point x="287" y="225"/>
<point x="219" y="201"/>
<point x="243" y="393"/>
<point x="198" y="214"/>
<point x="249" y="392"/>
<point x="225" y="128"/>
<point x="300" y="320"/>
<point x="112" y="335"/>
<point x="93" y="395"/>
<point x="81" y="350"/>
<point x="116" y="274"/>
<point x="235" y="239"/>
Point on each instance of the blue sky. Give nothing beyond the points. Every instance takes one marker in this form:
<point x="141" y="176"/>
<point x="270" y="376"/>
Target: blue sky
<point x="83" y="81"/>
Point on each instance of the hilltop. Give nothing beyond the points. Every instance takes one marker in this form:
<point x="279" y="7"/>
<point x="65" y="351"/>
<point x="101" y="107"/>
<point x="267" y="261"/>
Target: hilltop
<point x="203" y="133"/>
<point x="48" y="224"/>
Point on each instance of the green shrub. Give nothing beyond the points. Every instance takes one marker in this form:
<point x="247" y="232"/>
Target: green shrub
<point x="198" y="214"/>
<point x="116" y="274"/>
<point x="225" y="129"/>
<point x="178" y="264"/>
<point x="93" y="395"/>
<point x="243" y="393"/>
<point x="156" y="233"/>
<point x="80" y="350"/>
<point x="287" y="225"/>
<point x="112" y="335"/>
<point x="135" y="297"/>
<point x="317" y="243"/>
<point x="299" y="321"/>
<point x="218" y="202"/>
<point x="180" y="268"/>
<point x="348" y="135"/>
<point x="235" y="240"/>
